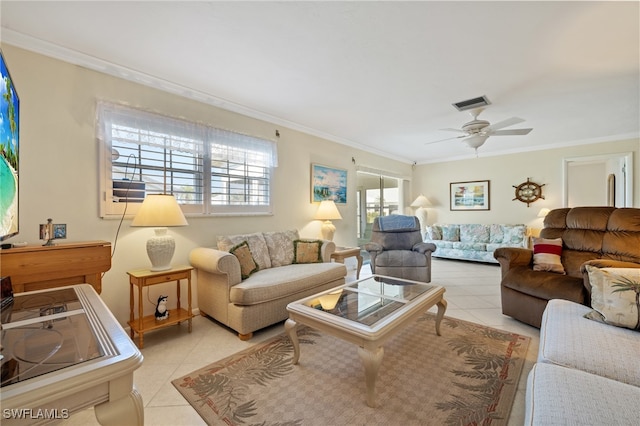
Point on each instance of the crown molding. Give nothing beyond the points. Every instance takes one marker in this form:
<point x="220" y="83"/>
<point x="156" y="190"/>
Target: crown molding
<point x="75" y="57"/>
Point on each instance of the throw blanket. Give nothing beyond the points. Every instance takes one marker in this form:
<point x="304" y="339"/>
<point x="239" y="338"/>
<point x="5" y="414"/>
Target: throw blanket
<point x="388" y="223"/>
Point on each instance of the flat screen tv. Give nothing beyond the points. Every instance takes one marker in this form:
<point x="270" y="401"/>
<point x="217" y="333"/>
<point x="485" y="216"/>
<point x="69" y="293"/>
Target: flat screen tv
<point x="9" y="153"/>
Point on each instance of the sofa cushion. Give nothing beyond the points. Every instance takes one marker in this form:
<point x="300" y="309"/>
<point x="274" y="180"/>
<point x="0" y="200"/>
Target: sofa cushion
<point x="307" y="251"/>
<point x="451" y="232"/>
<point x="613" y="298"/>
<point x="570" y="340"/>
<point x="544" y="285"/>
<point x="547" y="254"/>
<point x="562" y="396"/>
<point x="474" y="233"/>
<point x="280" y="246"/>
<point x="496" y="234"/>
<point x="434" y="232"/>
<point x="247" y="265"/>
<point x="257" y="244"/>
<point x="459" y="245"/>
<point x="400" y="259"/>
<point x="276" y="283"/>
<point x="514" y="234"/>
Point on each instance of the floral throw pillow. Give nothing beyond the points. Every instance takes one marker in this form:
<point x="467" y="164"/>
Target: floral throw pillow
<point x="613" y="296"/>
<point x="307" y="251"/>
<point x="434" y="232"/>
<point x="547" y="254"/>
<point x="451" y="233"/>
<point x="247" y="265"/>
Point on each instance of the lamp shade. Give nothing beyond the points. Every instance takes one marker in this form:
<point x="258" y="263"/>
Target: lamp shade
<point x="543" y="212"/>
<point x="421" y="201"/>
<point x="327" y="211"/>
<point x="159" y="210"/>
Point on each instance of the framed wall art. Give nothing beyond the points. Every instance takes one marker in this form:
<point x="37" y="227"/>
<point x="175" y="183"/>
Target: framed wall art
<point x="328" y="183"/>
<point x="472" y="195"/>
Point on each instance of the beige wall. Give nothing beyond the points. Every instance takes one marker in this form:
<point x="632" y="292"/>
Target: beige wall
<point x="59" y="168"/>
<point x="542" y="167"/>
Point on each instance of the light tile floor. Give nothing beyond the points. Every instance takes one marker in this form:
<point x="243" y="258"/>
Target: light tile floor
<point x="472" y="293"/>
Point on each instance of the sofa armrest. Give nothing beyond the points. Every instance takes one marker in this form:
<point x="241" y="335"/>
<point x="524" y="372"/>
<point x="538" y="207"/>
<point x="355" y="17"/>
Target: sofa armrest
<point x="424" y="248"/>
<point x="216" y="262"/>
<point x="603" y="263"/>
<point x="327" y="249"/>
<point x="510" y="257"/>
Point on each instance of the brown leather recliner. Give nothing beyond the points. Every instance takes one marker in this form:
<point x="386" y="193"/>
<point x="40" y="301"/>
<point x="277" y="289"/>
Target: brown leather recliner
<point x="598" y="236"/>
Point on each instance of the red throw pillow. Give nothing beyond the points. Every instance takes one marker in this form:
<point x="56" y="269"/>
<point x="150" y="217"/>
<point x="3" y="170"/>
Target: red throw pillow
<point x="547" y="254"/>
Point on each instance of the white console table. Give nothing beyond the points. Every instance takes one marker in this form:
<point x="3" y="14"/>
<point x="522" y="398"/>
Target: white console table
<point x="103" y="380"/>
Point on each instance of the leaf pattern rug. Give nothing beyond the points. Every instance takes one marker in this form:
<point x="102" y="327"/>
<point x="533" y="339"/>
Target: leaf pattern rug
<point x="467" y="376"/>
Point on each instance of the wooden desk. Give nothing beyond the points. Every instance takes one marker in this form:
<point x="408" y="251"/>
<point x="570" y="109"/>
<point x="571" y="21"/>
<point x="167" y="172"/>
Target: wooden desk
<point x="342" y="253"/>
<point x="145" y="277"/>
<point x="37" y="267"/>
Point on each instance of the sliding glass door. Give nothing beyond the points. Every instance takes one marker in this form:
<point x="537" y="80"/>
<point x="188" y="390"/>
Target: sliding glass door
<point x="378" y="195"/>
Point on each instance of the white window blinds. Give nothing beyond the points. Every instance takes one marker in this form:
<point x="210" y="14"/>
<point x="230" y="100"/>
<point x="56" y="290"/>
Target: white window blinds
<point x="208" y="170"/>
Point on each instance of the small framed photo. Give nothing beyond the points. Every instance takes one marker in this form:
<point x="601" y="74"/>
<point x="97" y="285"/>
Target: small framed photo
<point x="473" y="195"/>
<point x="328" y="183"/>
<point x="59" y="231"/>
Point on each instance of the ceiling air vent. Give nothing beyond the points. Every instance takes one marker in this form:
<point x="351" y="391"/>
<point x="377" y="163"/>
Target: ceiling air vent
<point x="472" y="103"/>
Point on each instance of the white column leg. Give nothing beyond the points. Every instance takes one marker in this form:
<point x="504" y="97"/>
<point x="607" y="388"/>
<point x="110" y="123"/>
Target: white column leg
<point x="290" y="327"/>
<point x="371" y="361"/>
<point x="122" y="412"/>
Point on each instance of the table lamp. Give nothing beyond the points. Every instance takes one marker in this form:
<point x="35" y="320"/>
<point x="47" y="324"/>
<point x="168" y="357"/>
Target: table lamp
<point x="328" y="212"/>
<point x="160" y="211"/>
<point x="421" y="202"/>
<point x="543" y="212"/>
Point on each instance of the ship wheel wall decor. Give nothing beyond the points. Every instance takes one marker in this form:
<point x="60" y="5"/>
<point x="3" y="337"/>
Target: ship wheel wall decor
<point x="528" y="192"/>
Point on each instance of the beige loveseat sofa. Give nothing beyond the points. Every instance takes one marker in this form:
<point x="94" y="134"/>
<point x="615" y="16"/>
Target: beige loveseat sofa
<point x="587" y="372"/>
<point x="249" y="304"/>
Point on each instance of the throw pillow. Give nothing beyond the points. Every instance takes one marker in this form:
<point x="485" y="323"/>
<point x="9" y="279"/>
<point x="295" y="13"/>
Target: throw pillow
<point x="547" y="254"/>
<point x="247" y="265"/>
<point x="613" y="296"/>
<point x="434" y="232"/>
<point x="280" y="245"/>
<point x="307" y="251"/>
<point x="451" y="232"/>
<point x="257" y="244"/>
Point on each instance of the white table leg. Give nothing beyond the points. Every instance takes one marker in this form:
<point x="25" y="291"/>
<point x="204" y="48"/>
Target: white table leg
<point x="371" y="361"/>
<point x="442" y="307"/>
<point x="128" y="410"/>
<point x="290" y="327"/>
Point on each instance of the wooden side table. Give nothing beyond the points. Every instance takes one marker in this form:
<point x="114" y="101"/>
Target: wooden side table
<point x="342" y="253"/>
<point x="145" y="277"/>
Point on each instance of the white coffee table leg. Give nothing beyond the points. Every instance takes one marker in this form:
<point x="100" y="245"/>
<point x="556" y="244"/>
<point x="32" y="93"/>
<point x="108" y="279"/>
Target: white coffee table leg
<point x="442" y="307"/>
<point x="290" y="327"/>
<point x="128" y="410"/>
<point x="371" y="361"/>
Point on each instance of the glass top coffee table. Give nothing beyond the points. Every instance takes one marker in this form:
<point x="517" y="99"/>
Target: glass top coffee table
<point x="367" y="313"/>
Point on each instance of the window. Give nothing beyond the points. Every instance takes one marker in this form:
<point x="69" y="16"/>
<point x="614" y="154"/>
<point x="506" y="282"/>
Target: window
<point x="208" y="170"/>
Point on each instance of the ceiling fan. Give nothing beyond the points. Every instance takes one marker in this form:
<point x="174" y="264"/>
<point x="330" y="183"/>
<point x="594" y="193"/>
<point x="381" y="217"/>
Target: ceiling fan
<point x="476" y="131"/>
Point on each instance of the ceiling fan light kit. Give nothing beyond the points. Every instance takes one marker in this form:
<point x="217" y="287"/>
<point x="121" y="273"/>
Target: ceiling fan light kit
<point x="477" y="131"/>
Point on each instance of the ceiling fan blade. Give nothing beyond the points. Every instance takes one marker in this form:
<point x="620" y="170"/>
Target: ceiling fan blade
<point x="504" y="123"/>
<point x="510" y="132"/>
<point x="449" y="129"/>
<point x="447" y="139"/>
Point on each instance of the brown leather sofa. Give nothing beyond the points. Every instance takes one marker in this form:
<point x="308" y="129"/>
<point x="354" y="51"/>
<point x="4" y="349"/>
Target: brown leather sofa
<point x="598" y="236"/>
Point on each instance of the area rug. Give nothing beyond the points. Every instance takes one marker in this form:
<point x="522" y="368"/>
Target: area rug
<point x="467" y="376"/>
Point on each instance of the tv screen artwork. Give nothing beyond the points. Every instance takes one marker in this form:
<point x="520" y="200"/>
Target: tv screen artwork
<point x="9" y="149"/>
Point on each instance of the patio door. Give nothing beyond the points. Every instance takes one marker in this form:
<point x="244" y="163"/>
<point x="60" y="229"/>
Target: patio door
<point x="378" y="195"/>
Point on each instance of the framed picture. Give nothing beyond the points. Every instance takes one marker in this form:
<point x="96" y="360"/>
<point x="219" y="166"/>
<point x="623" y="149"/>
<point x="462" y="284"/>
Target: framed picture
<point x="469" y="195"/>
<point x="59" y="231"/>
<point x="328" y="183"/>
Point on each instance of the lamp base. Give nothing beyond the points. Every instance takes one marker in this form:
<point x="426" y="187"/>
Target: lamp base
<point x="160" y="249"/>
<point x="328" y="230"/>
<point x="422" y="214"/>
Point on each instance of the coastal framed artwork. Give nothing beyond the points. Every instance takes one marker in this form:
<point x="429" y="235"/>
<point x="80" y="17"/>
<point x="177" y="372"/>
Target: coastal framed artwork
<point x="328" y="183"/>
<point x="473" y="195"/>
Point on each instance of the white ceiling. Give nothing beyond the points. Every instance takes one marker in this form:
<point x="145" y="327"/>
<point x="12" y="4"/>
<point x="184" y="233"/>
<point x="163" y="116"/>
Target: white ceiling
<point x="379" y="76"/>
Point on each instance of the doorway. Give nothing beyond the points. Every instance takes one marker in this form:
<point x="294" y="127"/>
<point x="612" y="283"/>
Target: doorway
<point x="377" y="195"/>
<point x="599" y="180"/>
